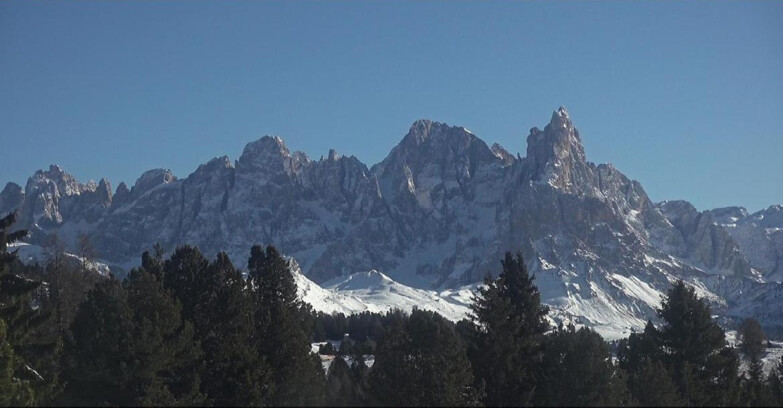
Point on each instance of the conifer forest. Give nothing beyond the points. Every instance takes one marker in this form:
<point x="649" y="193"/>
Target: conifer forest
<point x="184" y="329"/>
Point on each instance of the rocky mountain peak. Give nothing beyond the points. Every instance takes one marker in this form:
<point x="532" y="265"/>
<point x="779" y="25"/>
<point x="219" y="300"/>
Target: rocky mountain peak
<point x="151" y="179"/>
<point x="560" y="116"/>
<point x="558" y="140"/>
<point x="121" y="195"/>
<point x="556" y="155"/>
<point x="362" y="280"/>
<point x="728" y="215"/>
<point x="52" y="193"/>
<point x="222" y="162"/>
<point x="677" y="206"/>
<point x="104" y="192"/>
<point x="419" y="132"/>
<point x="104" y="184"/>
<point x="699" y="238"/>
<point x="90" y="185"/>
<point x="66" y="184"/>
<point x="217" y="164"/>
<point x="300" y="157"/>
<point x="775" y="208"/>
<point x="501" y="153"/>
<point x="122" y="188"/>
<point x="10" y="188"/>
<point x="269" y="158"/>
<point x="11" y="198"/>
<point x="433" y="138"/>
<point x="263" y="147"/>
<point x="772" y="216"/>
<point x="443" y="155"/>
<point x="427" y="132"/>
<point x="55" y="171"/>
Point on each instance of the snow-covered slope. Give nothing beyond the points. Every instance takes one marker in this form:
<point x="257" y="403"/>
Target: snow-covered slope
<point x="33" y="254"/>
<point x="375" y="292"/>
<point x="770" y="357"/>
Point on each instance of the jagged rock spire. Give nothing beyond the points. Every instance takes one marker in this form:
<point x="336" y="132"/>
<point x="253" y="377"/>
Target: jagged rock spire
<point x="556" y="156"/>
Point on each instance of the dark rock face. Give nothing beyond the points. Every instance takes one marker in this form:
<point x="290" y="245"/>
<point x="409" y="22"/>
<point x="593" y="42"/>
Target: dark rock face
<point x="696" y="237"/>
<point x="759" y="237"/>
<point x="438" y="212"/>
<point x="11" y="198"/>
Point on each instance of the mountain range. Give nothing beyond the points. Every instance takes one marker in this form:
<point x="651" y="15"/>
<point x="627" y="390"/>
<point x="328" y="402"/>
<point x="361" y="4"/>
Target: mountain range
<point x="435" y="216"/>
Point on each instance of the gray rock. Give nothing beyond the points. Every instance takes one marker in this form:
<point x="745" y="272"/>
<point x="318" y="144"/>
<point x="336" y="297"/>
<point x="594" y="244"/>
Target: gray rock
<point x="11" y="198"/>
<point x="759" y="237"/>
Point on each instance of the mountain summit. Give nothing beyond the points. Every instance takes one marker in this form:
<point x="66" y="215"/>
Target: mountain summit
<point x="556" y="155"/>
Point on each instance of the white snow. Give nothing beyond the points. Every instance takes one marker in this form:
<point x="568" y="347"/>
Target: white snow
<point x="770" y="357"/>
<point x="375" y="292"/>
<point x="634" y="287"/>
<point x="29" y="253"/>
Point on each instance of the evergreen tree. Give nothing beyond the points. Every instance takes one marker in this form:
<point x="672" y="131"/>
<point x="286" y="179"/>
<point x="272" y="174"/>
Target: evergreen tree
<point x="752" y="337"/>
<point x="327" y="349"/>
<point x="649" y="382"/>
<point x="469" y="333"/>
<point x="67" y="285"/>
<point x="43" y="347"/>
<point x="154" y="263"/>
<point x="131" y="347"/>
<point x="361" y="381"/>
<point x="577" y="370"/>
<point x="390" y="377"/>
<point x="13" y="390"/>
<point x="15" y="290"/>
<point x="704" y="368"/>
<point x="236" y="374"/>
<point x="99" y="358"/>
<point x="186" y="275"/>
<point x="775" y="384"/>
<point x="511" y="323"/>
<point x="19" y="320"/>
<point x="283" y="326"/>
<point x="652" y="385"/>
<point x="47" y="312"/>
<point x="69" y="282"/>
<point x="725" y="380"/>
<point x="73" y="283"/>
<point x="341" y="387"/>
<point x="216" y="300"/>
<point x="422" y="362"/>
<point x="167" y="358"/>
<point x="638" y="348"/>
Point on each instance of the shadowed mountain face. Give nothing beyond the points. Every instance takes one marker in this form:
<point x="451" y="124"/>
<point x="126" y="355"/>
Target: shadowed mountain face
<point x="438" y="212"/>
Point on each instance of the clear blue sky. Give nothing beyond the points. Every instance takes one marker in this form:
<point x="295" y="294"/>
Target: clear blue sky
<point x="687" y="98"/>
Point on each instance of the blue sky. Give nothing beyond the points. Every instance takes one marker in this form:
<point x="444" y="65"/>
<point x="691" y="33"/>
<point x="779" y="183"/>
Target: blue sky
<point x="687" y="98"/>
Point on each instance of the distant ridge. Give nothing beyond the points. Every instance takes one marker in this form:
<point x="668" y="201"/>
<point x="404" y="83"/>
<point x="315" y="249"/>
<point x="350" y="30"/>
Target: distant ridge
<point x="436" y="214"/>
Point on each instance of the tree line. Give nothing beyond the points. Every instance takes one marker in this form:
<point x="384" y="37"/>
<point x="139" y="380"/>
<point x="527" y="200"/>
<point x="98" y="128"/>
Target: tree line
<point x="186" y="330"/>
